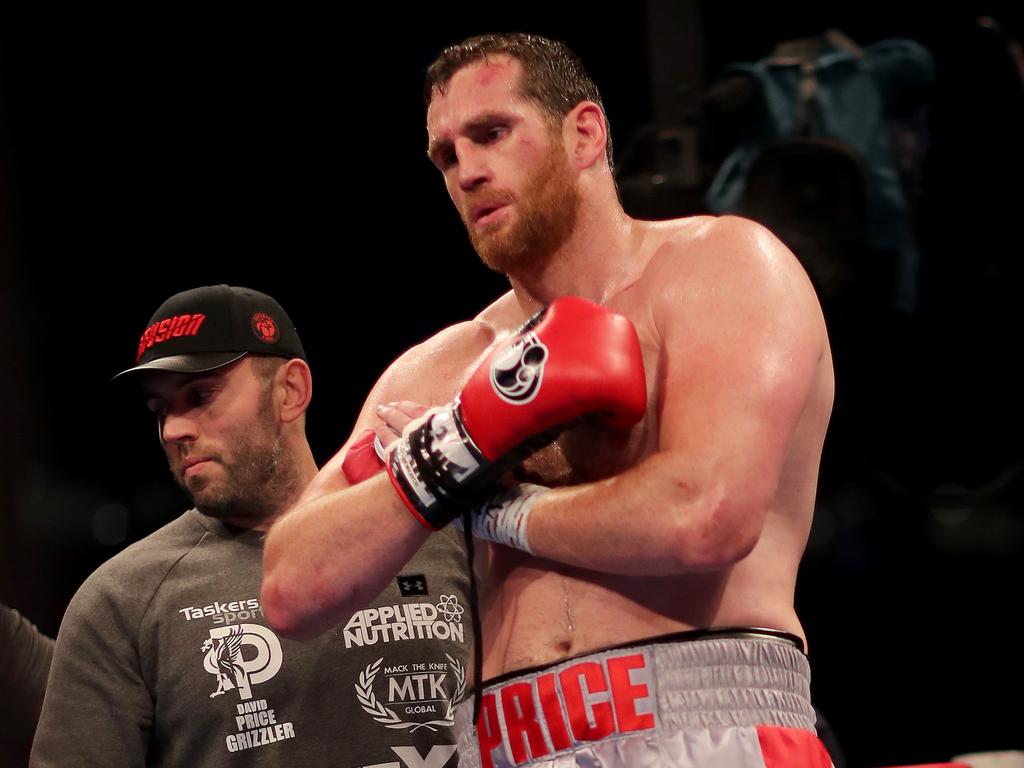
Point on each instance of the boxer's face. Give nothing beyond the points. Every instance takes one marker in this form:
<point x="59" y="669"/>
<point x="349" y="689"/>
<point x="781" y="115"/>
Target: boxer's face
<point x="220" y="435"/>
<point x="505" y="165"/>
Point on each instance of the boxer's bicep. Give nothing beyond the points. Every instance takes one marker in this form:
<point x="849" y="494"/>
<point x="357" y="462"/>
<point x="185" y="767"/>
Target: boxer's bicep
<point x="739" y="360"/>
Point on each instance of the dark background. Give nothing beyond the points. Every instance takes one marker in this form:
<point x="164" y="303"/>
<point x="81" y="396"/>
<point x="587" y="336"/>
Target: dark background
<point x="143" y="153"/>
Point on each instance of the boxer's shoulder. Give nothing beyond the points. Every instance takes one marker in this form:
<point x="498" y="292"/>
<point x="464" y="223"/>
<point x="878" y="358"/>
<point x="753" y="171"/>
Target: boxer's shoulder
<point x="717" y="248"/>
<point x="453" y="345"/>
<point x="442" y="358"/>
<point x="709" y="259"/>
<point x="502" y="314"/>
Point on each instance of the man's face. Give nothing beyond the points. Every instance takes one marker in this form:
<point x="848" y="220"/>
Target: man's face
<point x="504" y="164"/>
<point x="221" y="437"/>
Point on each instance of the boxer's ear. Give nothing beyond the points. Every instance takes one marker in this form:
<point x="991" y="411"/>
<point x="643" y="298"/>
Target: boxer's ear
<point x="586" y="130"/>
<point x="296" y="382"/>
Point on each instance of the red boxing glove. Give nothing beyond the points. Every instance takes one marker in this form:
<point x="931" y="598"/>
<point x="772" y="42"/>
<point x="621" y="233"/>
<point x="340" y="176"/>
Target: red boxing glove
<point x="572" y="359"/>
<point x="362" y="459"/>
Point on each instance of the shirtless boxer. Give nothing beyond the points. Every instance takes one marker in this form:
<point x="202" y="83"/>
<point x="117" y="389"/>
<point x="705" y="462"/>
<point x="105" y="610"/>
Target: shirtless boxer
<point x="693" y="519"/>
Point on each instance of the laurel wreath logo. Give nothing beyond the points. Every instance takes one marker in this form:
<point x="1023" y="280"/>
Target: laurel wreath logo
<point x="382" y="714"/>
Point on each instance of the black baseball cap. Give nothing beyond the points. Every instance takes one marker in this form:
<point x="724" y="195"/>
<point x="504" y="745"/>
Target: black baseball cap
<point x="208" y="327"/>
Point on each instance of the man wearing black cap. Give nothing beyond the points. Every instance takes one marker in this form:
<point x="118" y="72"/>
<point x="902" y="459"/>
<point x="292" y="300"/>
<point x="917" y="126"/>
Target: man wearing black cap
<point x="164" y="656"/>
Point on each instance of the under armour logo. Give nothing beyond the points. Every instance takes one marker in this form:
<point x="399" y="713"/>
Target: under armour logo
<point x="415" y="584"/>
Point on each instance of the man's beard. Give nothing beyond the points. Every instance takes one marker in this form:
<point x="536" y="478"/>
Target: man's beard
<point x="255" y="480"/>
<point x="545" y="209"/>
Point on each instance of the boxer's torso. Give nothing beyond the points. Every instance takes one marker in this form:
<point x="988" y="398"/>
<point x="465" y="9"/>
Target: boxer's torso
<point x="536" y="611"/>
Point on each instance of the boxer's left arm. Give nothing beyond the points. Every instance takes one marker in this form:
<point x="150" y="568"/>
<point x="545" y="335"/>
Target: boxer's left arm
<point x="741" y="338"/>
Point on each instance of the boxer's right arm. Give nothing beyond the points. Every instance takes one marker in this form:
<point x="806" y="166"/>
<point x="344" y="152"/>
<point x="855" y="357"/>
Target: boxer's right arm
<point x="331" y="555"/>
<point x="573" y="359"/>
<point x="339" y="545"/>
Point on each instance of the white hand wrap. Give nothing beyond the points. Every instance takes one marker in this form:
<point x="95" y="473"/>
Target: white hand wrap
<point x="503" y="518"/>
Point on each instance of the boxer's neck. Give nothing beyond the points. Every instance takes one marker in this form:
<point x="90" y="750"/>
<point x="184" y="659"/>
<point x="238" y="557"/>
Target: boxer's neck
<point x="602" y="255"/>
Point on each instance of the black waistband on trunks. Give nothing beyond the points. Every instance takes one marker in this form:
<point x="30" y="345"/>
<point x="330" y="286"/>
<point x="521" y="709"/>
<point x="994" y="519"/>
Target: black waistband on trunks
<point x="691" y="635"/>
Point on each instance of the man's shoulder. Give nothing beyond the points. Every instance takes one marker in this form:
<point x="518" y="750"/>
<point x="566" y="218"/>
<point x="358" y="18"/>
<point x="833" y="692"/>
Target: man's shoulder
<point x="465" y="335"/>
<point x="719" y="252"/>
<point x="136" y="572"/>
<point x="711" y="238"/>
<point x="448" y="351"/>
<point x="712" y="276"/>
<point x="503" y="313"/>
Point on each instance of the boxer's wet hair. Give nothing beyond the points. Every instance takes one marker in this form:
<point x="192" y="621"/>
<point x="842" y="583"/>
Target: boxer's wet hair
<point x="553" y="77"/>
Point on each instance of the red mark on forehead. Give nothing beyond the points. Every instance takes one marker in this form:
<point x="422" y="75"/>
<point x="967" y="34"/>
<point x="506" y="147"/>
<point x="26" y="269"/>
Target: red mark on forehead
<point x="489" y="72"/>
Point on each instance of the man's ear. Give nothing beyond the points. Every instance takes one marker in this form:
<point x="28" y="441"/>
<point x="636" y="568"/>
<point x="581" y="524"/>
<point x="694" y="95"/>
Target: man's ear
<point x="296" y="380"/>
<point x="586" y="129"/>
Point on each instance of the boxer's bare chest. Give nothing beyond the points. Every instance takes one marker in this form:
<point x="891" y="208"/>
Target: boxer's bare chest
<point x="587" y="451"/>
<point x="590" y="451"/>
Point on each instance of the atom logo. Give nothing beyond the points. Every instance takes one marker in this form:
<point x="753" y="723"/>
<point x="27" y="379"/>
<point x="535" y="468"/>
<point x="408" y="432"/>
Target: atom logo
<point x="449" y="608"/>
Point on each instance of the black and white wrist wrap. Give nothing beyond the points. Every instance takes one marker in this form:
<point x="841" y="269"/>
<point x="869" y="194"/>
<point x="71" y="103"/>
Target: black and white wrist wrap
<point x="436" y="467"/>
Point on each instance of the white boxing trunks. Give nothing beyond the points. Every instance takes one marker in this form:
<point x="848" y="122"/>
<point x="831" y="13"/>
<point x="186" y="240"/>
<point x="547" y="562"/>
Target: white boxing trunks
<point x="721" y="698"/>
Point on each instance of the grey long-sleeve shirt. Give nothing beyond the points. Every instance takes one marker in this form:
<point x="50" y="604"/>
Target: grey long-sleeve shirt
<point x="164" y="658"/>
